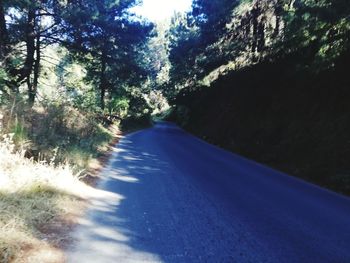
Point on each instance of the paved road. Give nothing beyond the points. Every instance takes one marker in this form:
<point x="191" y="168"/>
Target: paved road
<point x="175" y="198"/>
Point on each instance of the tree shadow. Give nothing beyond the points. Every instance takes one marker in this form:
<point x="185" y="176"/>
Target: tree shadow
<point x="107" y="233"/>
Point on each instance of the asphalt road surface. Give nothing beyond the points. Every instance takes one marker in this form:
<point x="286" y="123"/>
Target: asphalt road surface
<point x="171" y="197"/>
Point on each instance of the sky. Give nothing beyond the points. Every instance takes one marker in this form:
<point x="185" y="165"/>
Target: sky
<point x="157" y="10"/>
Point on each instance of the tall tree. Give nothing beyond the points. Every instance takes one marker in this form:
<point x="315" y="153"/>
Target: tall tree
<point x="3" y="32"/>
<point x="22" y="37"/>
<point x="106" y="38"/>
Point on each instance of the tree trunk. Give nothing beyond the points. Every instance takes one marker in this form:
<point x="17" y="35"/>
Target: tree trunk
<point x="30" y="44"/>
<point x="3" y="33"/>
<point x="103" y="81"/>
<point x="261" y="36"/>
<point x="278" y="14"/>
<point x="3" y="44"/>
<point x="29" y="86"/>
<point x="36" y="73"/>
<point x="255" y="14"/>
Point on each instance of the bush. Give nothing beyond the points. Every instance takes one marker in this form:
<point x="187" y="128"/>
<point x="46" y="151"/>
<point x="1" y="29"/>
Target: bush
<point x="136" y="123"/>
<point x="58" y="131"/>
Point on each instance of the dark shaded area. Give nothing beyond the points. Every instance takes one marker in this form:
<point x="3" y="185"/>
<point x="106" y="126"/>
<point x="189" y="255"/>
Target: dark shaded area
<point x="134" y="123"/>
<point x="280" y="113"/>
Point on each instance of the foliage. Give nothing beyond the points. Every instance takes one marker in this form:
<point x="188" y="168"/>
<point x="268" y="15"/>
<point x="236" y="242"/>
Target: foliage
<point x="120" y="106"/>
<point x="184" y="44"/>
<point x="268" y="79"/>
<point x="322" y="27"/>
<point x="56" y="130"/>
<point x="108" y="42"/>
<point x="89" y="52"/>
<point x="220" y="36"/>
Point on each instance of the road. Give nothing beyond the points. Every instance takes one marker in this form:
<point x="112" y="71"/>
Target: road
<point x="175" y="198"/>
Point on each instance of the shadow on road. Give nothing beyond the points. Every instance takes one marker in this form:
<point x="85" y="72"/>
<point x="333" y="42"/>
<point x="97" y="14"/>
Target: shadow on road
<point x="109" y="233"/>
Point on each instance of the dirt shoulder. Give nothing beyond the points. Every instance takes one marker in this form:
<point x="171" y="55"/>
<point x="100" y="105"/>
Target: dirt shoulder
<point x="43" y="236"/>
<point x="56" y="236"/>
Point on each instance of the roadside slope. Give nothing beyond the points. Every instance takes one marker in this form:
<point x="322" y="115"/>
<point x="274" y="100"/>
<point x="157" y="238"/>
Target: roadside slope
<point x="294" y="120"/>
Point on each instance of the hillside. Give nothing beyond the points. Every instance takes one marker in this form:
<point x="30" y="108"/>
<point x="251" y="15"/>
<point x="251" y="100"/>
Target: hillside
<point x="285" y="105"/>
<point x="295" y="121"/>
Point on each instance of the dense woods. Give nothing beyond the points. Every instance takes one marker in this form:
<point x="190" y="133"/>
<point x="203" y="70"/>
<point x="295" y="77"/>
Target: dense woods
<point x="68" y="67"/>
<point x="100" y="35"/>
<point x="268" y="80"/>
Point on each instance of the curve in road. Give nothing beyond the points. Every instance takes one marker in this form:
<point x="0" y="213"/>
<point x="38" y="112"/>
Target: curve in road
<point x="175" y="198"/>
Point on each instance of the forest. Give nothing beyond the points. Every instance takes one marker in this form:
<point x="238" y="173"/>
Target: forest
<point x="268" y="82"/>
<point x="267" y="79"/>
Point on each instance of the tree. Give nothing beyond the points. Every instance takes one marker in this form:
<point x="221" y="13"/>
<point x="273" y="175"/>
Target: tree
<point x="102" y="34"/>
<point x="108" y="40"/>
<point x="212" y="17"/>
<point x="320" y="29"/>
<point x="22" y="38"/>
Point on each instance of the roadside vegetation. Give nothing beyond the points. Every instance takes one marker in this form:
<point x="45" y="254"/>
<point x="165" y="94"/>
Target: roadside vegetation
<point x="46" y="154"/>
<point x="71" y="77"/>
<point x="35" y="201"/>
<point x="268" y="80"/>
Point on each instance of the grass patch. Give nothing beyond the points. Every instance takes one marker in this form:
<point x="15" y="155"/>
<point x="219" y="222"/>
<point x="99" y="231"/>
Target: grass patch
<point x="44" y="154"/>
<point x="57" y="132"/>
<point x="34" y="195"/>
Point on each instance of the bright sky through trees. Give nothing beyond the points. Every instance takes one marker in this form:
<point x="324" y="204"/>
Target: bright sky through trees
<point x="156" y="10"/>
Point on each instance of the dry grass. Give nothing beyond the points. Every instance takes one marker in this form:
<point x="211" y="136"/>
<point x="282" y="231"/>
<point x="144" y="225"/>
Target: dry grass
<point x="42" y="197"/>
<point x="36" y="201"/>
<point x="71" y="135"/>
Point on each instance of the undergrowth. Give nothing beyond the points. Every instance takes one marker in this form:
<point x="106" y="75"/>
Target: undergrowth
<point x="44" y="152"/>
<point x="58" y="132"/>
<point x="32" y="194"/>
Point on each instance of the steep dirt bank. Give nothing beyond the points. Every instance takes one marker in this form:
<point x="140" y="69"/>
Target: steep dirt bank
<point x="294" y="119"/>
